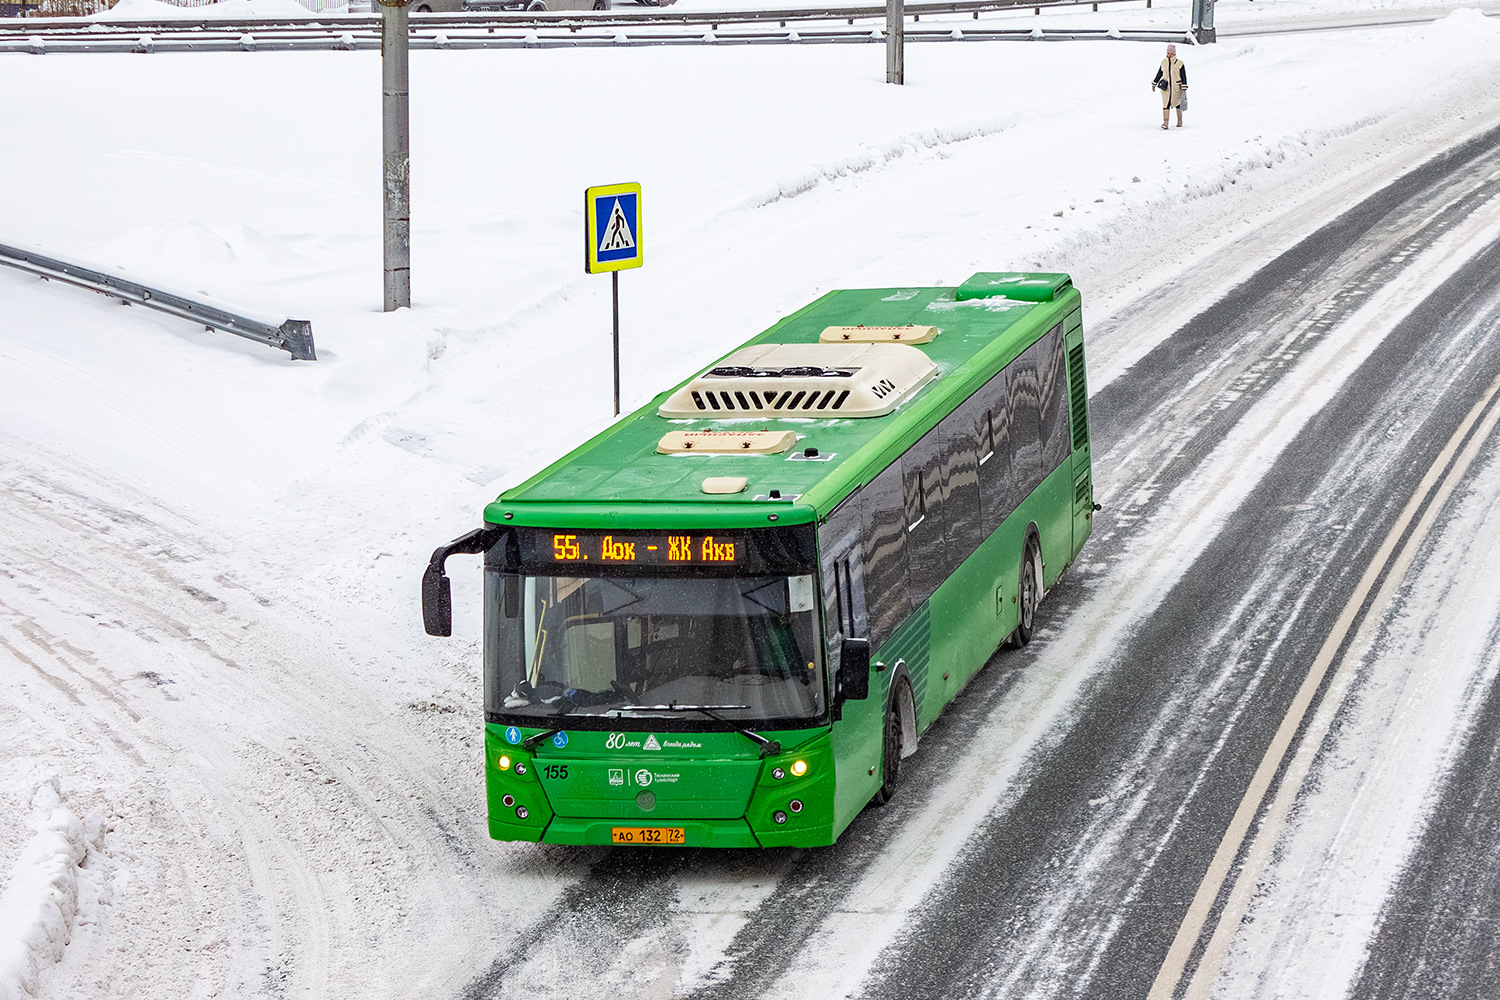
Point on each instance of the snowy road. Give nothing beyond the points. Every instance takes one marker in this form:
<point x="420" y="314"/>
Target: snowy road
<point x="1242" y="527"/>
<point x="232" y="765"/>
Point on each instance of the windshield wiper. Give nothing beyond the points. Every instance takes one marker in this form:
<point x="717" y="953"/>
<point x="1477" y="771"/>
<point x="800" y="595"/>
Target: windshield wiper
<point x="565" y="705"/>
<point x="530" y="742"/>
<point x="768" y="748"/>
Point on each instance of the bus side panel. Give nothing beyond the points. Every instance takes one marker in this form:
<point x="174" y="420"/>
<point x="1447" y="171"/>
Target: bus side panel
<point x="1078" y="413"/>
<point x="974" y="611"/>
<point x="1050" y="506"/>
<point x="911" y="646"/>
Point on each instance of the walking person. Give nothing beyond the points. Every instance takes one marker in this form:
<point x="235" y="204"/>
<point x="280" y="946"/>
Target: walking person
<point x="1171" y="80"/>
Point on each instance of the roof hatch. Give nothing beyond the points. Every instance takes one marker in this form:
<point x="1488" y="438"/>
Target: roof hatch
<point x="805" y="380"/>
<point x="726" y="442"/>
<point x="1021" y="287"/>
<point x="878" y="334"/>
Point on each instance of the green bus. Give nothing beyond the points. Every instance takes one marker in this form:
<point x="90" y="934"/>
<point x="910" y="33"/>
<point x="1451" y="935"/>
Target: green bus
<point x="725" y="620"/>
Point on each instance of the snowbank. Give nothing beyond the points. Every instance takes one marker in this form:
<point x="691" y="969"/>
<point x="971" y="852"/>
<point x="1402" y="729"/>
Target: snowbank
<point x="41" y="896"/>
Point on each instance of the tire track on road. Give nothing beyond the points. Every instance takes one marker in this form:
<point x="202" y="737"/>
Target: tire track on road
<point x="1106" y="941"/>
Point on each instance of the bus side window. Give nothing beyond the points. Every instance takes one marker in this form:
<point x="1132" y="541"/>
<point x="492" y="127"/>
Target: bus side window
<point x="843" y="571"/>
<point x="1056" y="443"/>
<point x="996" y="492"/>
<point x="885" y="539"/>
<point x="961" y="470"/>
<point x="849" y="585"/>
<point x="1025" y="424"/>
<point x="926" y="516"/>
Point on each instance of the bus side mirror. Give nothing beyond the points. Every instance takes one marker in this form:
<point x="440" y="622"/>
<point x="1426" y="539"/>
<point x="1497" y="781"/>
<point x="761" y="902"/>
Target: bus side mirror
<point x="437" y="600"/>
<point x="854" y="669"/>
<point x="437" y="592"/>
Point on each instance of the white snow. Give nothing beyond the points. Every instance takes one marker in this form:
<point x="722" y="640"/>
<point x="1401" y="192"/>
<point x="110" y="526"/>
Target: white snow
<point x="40" y="899"/>
<point x="209" y="553"/>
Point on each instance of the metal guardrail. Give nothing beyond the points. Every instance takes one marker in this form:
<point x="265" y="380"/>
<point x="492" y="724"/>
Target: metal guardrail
<point x="293" y="336"/>
<point x="572" y="20"/>
<point x="531" y="39"/>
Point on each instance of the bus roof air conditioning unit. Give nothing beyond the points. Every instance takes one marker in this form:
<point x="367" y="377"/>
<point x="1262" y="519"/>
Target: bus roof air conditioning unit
<point x="805" y="380"/>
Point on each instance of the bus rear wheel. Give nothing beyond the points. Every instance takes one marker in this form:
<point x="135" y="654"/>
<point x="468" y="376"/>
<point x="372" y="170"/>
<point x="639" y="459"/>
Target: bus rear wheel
<point x="1030" y="596"/>
<point x="890" y="748"/>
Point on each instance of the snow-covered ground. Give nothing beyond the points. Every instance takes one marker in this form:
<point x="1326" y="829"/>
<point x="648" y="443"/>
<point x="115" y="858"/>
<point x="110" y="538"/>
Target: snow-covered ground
<point x="230" y="761"/>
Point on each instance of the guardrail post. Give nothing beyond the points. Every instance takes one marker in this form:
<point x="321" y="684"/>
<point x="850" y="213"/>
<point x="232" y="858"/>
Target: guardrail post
<point x="1203" y="21"/>
<point x="895" y="27"/>
<point x="396" y="169"/>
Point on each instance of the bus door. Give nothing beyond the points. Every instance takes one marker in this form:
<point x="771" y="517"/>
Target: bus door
<point x="857" y="729"/>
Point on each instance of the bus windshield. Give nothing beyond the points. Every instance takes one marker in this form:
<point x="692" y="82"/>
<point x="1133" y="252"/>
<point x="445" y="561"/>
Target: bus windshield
<point x="744" y="647"/>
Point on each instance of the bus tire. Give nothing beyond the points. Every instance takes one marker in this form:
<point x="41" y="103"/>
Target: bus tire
<point x="1029" y="597"/>
<point x="890" y="747"/>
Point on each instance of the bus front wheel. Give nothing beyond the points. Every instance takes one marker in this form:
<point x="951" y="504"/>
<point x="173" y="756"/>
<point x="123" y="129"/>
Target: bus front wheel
<point x="890" y="748"/>
<point x="1030" y="596"/>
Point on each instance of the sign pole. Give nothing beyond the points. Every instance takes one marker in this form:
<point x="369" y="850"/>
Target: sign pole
<point x="612" y="242"/>
<point x="614" y="279"/>
<point x="396" y="163"/>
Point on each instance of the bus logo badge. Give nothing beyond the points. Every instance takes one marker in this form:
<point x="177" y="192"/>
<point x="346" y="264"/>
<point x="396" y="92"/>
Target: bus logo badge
<point x="651" y="743"/>
<point x="512" y="735"/>
<point x="560" y="740"/>
<point x="617" y="776"/>
<point x="643" y="777"/>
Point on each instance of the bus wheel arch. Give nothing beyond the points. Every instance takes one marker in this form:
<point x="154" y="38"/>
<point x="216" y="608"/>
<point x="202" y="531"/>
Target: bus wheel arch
<point x="903" y="702"/>
<point x="898" y="736"/>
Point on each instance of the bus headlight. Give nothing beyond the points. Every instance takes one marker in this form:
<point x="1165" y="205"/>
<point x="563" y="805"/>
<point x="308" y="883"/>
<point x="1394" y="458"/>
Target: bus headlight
<point x="799" y="768"/>
<point x="503" y="763"/>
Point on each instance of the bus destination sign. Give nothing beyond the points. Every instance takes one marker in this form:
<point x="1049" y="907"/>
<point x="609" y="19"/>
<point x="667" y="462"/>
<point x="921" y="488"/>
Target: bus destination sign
<point x="666" y="549"/>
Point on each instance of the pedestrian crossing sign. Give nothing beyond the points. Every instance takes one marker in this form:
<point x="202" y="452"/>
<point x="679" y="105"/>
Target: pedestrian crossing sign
<point x="612" y="241"/>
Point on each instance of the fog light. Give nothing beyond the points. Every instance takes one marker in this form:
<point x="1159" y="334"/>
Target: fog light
<point x="521" y="812"/>
<point x="520" y="768"/>
<point x="779" y="816"/>
<point x="509" y="801"/>
<point x="799" y="768"/>
<point x="796" y="805"/>
<point x="503" y="763"/>
<point x="777" y="773"/>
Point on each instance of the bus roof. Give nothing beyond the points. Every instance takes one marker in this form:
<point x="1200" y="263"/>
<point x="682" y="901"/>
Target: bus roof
<point x="634" y="475"/>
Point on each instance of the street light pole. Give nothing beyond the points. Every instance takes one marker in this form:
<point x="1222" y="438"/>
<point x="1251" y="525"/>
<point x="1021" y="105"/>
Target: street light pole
<point x="396" y="143"/>
<point x="895" y="38"/>
<point x="1203" y="21"/>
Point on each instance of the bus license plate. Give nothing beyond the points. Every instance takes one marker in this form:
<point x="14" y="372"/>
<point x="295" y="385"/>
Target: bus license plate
<point x="650" y="835"/>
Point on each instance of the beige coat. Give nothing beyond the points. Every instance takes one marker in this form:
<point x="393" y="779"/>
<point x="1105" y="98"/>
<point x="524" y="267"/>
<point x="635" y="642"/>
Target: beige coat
<point x="1175" y="73"/>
